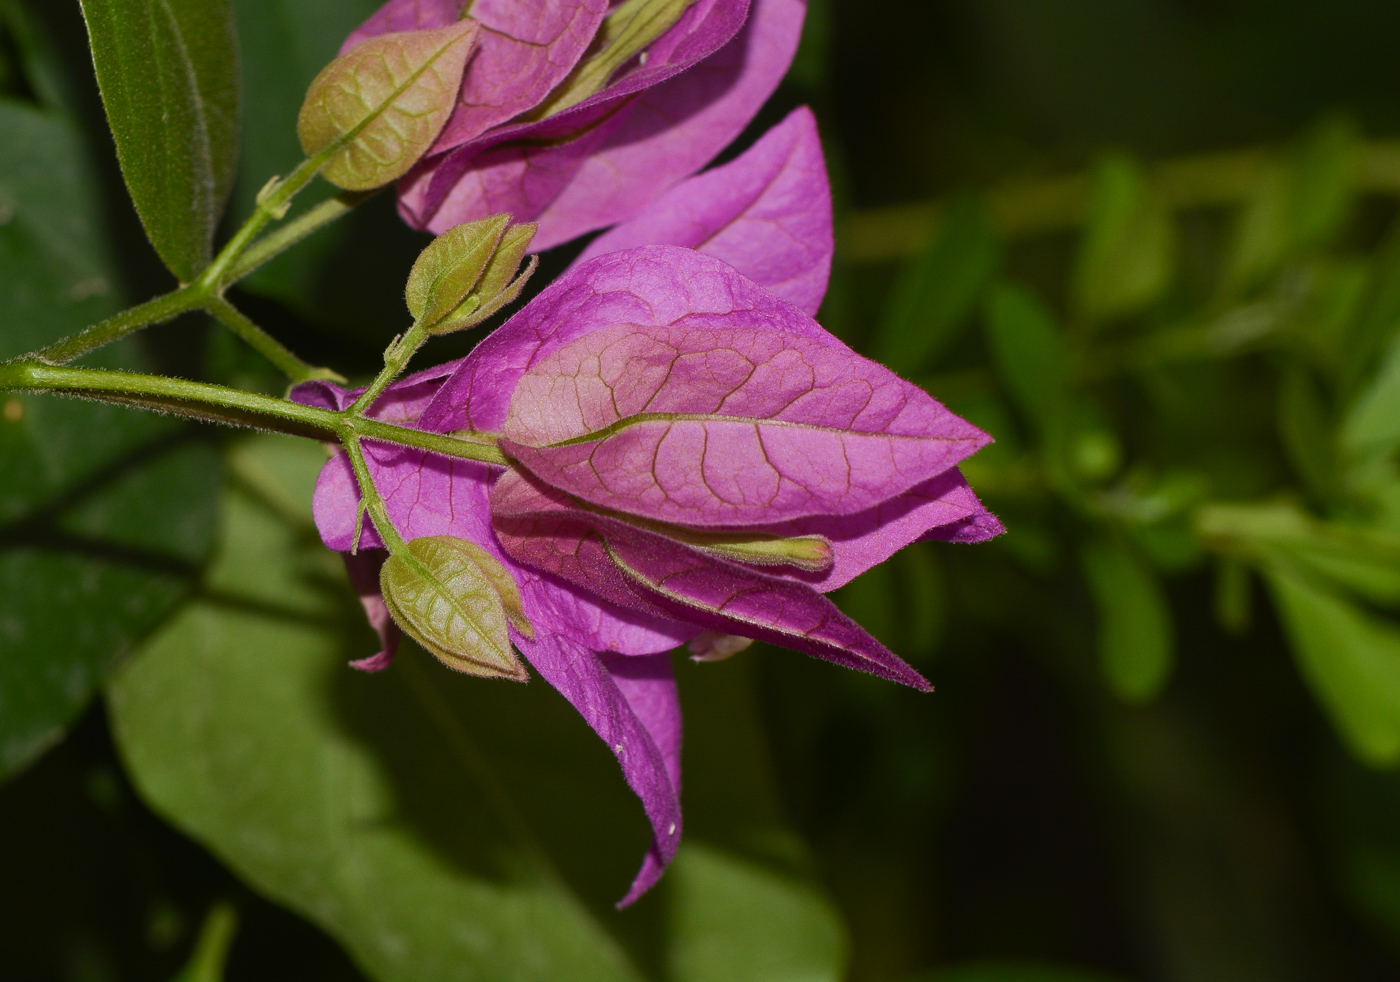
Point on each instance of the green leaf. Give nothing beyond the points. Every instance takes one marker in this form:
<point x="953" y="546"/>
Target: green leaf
<point x="1372" y="425"/>
<point x="207" y="962"/>
<point x="439" y="826"/>
<point x="168" y="71"/>
<point x="456" y="600"/>
<point x="1306" y="431"/>
<point x="375" y="110"/>
<point x="1351" y="660"/>
<point x="1323" y="179"/>
<point x="468" y="273"/>
<point x="1136" y="646"/>
<point x="450" y="266"/>
<point x="1126" y="259"/>
<point x="1032" y="358"/>
<point x="736" y="921"/>
<point x="241" y="723"/>
<point x="937" y="290"/>
<point x="104" y="512"/>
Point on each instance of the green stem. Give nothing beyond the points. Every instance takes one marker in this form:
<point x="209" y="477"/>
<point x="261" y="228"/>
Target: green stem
<point x="213" y="280"/>
<point x="374" y="504"/>
<point x="220" y="404"/>
<point x="155" y="311"/>
<point x="395" y="359"/>
<point x="275" y="243"/>
<point x="266" y="345"/>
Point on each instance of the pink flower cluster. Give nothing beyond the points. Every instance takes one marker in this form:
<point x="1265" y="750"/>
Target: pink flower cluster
<point x="693" y="459"/>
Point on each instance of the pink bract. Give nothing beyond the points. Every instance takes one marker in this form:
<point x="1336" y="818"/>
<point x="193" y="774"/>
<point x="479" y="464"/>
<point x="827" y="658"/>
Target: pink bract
<point x="663" y="117"/>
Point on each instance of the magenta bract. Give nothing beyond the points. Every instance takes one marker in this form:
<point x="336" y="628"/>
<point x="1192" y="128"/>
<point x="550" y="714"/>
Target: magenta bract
<point x="602" y="161"/>
<point x="656" y="401"/>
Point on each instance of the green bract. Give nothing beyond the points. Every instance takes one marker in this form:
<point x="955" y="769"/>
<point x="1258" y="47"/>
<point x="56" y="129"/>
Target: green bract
<point x="457" y="601"/>
<point x="468" y="273"/>
<point x="377" y="108"/>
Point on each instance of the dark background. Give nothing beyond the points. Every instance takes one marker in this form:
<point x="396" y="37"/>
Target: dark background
<point x="1022" y="811"/>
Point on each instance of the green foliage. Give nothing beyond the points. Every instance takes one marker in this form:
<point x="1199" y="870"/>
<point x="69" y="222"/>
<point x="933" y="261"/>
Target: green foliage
<point x="489" y="829"/>
<point x="206" y="963"/>
<point x="1126" y="259"/>
<point x="937" y="290"/>
<point x="1352" y="660"/>
<point x="168" y="70"/>
<point x="103" y="512"/>
<point x="1134" y="621"/>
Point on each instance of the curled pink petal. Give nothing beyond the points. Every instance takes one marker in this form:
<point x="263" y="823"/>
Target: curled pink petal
<point x="631" y="703"/>
<point x="767" y="214"/>
<point x="363" y="570"/>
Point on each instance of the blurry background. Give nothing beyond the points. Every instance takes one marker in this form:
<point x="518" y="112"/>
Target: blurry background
<point x="1149" y="245"/>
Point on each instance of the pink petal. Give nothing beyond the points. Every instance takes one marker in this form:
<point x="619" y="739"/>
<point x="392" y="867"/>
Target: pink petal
<point x="521" y="168"/>
<point x="767" y="214"/>
<point x="631" y="703"/>
<point x="942" y="508"/>
<point x="363" y="570"/>
<point x="538" y="526"/>
<point x="523" y="52"/>
<point x="727" y="425"/>
<point x="676" y="128"/>
<point x="656" y="285"/>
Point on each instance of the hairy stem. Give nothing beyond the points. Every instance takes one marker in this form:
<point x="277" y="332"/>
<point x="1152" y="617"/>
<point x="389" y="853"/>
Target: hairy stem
<point x="234" y="407"/>
<point x="395" y="360"/>
<point x="374" y="504"/>
<point x="155" y="311"/>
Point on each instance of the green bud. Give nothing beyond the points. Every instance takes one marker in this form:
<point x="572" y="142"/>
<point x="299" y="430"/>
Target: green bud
<point x="625" y="33"/>
<point x="806" y="552"/>
<point x="468" y="273"/>
<point x="377" y="109"/>
<point x="456" y="600"/>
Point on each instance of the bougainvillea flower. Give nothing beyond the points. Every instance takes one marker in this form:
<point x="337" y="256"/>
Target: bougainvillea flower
<point x="693" y="458"/>
<point x="661" y="116"/>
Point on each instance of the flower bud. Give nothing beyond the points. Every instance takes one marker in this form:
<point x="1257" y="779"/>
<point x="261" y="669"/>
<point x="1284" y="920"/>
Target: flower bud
<point x="457" y="601"/>
<point x="378" y="108"/>
<point x="468" y="273"/>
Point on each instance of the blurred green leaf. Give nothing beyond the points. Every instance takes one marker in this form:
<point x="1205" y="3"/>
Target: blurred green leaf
<point x="1360" y="559"/>
<point x="810" y="66"/>
<point x="104" y="512"/>
<point x="1233" y="602"/>
<point x="1324" y="170"/>
<point x="1351" y="660"/>
<point x="1300" y="203"/>
<point x="937" y="290"/>
<point x="491" y="831"/>
<point x="1306" y="430"/>
<point x="1372" y="425"/>
<point x="168" y="70"/>
<point x="1136" y="645"/>
<point x="734" y="921"/>
<point x="211" y="949"/>
<point x="1033" y="360"/>
<point x="1127" y="256"/>
<point x="241" y="723"/>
